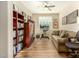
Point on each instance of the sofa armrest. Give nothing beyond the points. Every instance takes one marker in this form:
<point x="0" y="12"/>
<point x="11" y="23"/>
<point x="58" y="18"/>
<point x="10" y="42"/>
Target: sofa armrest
<point x="62" y="40"/>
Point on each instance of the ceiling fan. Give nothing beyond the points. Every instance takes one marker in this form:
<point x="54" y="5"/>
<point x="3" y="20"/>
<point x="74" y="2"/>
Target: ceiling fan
<point x="46" y="4"/>
<point x="49" y="7"/>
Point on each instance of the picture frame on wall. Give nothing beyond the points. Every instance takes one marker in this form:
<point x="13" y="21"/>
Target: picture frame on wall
<point x="70" y="18"/>
<point x="55" y="24"/>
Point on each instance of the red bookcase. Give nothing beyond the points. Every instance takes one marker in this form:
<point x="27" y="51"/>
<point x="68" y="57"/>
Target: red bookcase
<point x="18" y="32"/>
<point x="29" y="31"/>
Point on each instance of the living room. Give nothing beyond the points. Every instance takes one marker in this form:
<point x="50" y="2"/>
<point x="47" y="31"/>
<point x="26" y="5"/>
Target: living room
<point x="43" y="22"/>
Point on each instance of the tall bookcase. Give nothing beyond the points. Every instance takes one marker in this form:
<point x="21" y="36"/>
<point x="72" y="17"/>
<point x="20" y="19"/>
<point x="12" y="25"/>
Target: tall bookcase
<point x="18" y="31"/>
<point x="29" y="31"/>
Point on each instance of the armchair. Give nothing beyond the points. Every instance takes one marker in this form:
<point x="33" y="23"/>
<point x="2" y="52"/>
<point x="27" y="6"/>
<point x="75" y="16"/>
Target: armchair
<point x="73" y="45"/>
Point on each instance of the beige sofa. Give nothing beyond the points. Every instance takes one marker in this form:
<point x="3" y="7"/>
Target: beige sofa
<point x="59" y="37"/>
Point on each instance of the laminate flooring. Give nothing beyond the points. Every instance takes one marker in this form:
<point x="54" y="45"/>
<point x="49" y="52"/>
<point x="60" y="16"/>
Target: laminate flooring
<point x="41" y="48"/>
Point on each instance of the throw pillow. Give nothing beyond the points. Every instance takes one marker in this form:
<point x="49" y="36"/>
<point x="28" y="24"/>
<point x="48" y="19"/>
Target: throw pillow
<point x="63" y="34"/>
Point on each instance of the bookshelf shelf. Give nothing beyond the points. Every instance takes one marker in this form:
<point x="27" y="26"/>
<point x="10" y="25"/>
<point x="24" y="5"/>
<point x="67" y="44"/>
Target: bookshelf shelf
<point x="20" y="28"/>
<point x="14" y="38"/>
<point x="21" y="21"/>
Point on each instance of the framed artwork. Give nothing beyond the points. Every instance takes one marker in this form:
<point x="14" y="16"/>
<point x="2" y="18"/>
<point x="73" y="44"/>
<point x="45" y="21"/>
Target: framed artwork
<point x="70" y="18"/>
<point x="55" y="24"/>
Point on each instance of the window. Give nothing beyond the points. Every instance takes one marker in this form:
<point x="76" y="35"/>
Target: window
<point x="45" y="22"/>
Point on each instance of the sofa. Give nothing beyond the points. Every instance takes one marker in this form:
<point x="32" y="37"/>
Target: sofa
<point x="59" y="37"/>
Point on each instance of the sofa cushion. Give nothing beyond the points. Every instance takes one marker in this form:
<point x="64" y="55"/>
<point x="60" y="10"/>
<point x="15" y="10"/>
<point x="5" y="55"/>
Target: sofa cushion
<point x="60" y="31"/>
<point x="63" y="34"/>
<point x="57" y="38"/>
<point x="73" y="40"/>
<point x="71" y="34"/>
<point x="56" y="32"/>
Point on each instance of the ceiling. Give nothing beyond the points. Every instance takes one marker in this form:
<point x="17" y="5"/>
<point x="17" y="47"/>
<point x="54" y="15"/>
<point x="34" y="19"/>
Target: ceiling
<point x="37" y="7"/>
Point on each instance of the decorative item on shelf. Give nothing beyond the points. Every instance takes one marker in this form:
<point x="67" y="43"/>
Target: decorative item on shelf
<point x="25" y="17"/>
<point x="18" y="47"/>
<point x="21" y="38"/>
<point x="29" y="17"/>
<point x="20" y="25"/>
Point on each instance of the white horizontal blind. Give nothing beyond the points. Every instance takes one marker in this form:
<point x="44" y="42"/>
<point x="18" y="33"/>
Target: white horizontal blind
<point x="45" y="20"/>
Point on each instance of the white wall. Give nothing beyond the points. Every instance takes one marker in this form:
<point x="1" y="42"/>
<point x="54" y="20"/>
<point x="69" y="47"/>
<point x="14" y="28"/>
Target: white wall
<point x="3" y="29"/>
<point x="66" y="11"/>
<point x="10" y="29"/>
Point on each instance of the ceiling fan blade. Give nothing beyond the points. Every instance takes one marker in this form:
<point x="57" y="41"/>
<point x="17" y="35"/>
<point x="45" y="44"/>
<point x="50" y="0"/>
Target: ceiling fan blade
<point x="50" y="6"/>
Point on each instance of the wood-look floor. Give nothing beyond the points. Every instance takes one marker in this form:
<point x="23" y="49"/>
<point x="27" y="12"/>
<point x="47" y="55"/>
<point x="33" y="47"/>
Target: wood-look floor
<point x="41" y="48"/>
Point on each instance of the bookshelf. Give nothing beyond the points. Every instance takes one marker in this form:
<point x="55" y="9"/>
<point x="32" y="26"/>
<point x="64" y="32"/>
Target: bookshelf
<point x="18" y="32"/>
<point x="29" y="31"/>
